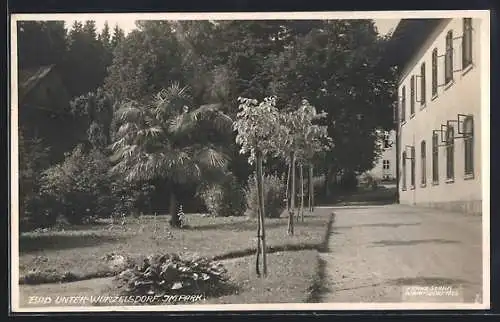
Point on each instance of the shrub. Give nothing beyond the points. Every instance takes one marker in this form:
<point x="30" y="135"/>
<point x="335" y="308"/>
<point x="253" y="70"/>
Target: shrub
<point x="369" y="181"/>
<point x="274" y="196"/>
<point x="130" y="197"/>
<point x="170" y="274"/>
<point x="224" y="199"/>
<point x="79" y="188"/>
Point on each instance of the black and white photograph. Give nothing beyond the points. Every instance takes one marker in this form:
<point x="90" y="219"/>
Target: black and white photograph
<point x="250" y="161"/>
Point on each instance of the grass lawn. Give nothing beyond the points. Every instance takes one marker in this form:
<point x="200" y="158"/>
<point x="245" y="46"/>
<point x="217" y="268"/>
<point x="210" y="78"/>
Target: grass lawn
<point x="289" y="280"/>
<point x="290" y="276"/>
<point x="80" y="253"/>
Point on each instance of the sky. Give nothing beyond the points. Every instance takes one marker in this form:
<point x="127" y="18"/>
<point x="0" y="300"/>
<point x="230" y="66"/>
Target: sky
<point x="386" y="25"/>
<point x="383" y="25"/>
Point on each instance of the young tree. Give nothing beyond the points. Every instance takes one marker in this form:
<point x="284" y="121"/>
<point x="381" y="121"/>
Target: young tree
<point x="258" y="128"/>
<point x="304" y="140"/>
<point x="315" y="140"/>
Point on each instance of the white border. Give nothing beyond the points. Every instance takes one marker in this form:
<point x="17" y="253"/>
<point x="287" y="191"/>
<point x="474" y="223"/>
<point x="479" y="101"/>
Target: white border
<point x="485" y="92"/>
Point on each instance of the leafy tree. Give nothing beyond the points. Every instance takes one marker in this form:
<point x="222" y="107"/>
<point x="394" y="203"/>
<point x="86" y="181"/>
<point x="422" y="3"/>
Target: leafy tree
<point x="118" y="36"/>
<point x="162" y="140"/>
<point x="105" y="35"/>
<point x="257" y="127"/>
<point x="40" y="43"/>
<point x="188" y="52"/>
<point x="146" y="61"/>
<point x="86" y="60"/>
<point x="90" y="30"/>
<point x="300" y="140"/>
<point x="105" y="39"/>
<point x="94" y="113"/>
<point x="335" y="65"/>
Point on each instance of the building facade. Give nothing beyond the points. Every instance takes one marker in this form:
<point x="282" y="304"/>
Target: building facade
<point x="385" y="168"/>
<point x="440" y="114"/>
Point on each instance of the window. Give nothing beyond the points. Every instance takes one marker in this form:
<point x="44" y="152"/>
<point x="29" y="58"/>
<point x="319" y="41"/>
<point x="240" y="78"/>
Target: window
<point x="387" y="143"/>
<point x="412" y="165"/>
<point x="434" y="72"/>
<point x="450" y="151"/>
<point x="422" y="84"/>
<point x="385" y="164"/>
<point x="469" y="146"/>
<point x="435" y="160"/>
<point x="448" y="62"/>
<point x="467" y="43"/>
<point x="403" y="104"/>
<point x="403" y="166"/>
<point x="423" y="171"/>
<point x="412" y="96"/>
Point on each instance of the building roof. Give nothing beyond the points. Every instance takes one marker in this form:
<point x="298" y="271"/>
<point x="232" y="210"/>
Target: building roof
<point x="30" y="78"/>
<point x="409" y="35"/>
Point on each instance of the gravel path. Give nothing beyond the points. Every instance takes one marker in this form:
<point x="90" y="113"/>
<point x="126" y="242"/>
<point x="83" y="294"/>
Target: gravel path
<point x="376" y="251"/>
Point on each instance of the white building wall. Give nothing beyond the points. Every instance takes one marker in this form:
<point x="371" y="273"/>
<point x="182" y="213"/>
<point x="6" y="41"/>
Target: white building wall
<point x="462" y="96"/>
<point x="389" y="155"/>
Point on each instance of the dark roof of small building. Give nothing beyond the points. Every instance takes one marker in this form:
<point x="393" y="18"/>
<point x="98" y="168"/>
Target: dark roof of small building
<point x="28" y="79"/>
<point x="409" y="35"/>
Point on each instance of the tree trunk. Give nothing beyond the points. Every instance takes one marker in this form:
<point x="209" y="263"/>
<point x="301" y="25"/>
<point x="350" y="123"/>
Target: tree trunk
<point x="292" y="201"/>
<point x="327" y="183"/>
<point x="260" y="190"/>
<point x="174" y="216"/>
<point x="257" y="266"/>
<point x="331" y="172"/>
<point x="301" y="192"/>
<point x="311" y="188"/>
<point x="288" y="186"/>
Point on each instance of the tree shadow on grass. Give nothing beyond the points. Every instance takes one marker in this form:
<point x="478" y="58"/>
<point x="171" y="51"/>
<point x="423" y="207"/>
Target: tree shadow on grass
<point x="381" y="225"/>
<point x="56" y="242"/>
<point x="383" y="243"/>
<point x="252" y="224"/>
<point x="318" y="287"/>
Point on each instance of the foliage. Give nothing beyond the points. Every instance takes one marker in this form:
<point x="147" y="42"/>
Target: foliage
<point x="172" y="274"/>
<point x="33" y="159"/>
<point x="79" y="187"/>
<point x="274" y="195"/>
<point x="87" y="58"/>
<point x="358" y="96"/>
<point x="94" y="112"/>
<point x="144" y="62"/>
<point x="258" y="128"/>
<point x="40" y="43"/>
<point x="224" y="199"/>
<point x="158" y="140"/>
<point x="130" y="197"/>
<point x="369" y="181"/>
<point x="165" y="140"/>
<point x="219" y="61"/>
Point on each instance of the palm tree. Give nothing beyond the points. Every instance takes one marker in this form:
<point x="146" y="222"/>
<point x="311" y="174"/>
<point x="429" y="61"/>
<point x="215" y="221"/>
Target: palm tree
<point x="165" y="140"/>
